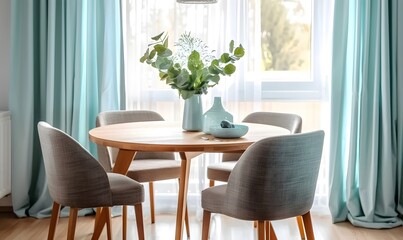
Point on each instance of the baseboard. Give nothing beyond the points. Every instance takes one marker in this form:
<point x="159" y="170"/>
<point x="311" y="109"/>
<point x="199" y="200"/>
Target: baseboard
<point x="6" y="204"/>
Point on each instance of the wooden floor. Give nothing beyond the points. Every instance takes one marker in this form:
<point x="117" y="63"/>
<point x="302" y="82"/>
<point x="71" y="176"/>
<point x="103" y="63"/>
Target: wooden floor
<point x="222" y="228"/>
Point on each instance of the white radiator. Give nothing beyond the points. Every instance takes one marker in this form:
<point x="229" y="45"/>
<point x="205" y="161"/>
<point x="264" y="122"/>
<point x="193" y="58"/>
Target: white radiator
<point x="5" y="154"/>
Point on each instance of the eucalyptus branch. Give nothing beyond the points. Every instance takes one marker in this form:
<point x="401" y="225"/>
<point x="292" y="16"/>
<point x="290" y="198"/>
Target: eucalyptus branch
<point x="193" y="68"/>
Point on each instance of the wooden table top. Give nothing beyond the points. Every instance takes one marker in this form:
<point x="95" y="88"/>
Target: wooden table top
<point x="169" y="136"/>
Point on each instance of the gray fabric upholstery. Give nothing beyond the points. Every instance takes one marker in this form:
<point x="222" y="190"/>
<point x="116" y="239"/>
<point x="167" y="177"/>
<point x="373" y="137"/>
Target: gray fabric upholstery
<point x="292" y="122"/>
<point x="213" y="199"/>
<point x="221" y="171"/>
<point x="108" y="155"/>
<point x="76" y="179"/>
<point x="155" y="170"/>
<point x="275" y="178"/>
<point x="123" y="189"/>
<point x="288" y="121"/>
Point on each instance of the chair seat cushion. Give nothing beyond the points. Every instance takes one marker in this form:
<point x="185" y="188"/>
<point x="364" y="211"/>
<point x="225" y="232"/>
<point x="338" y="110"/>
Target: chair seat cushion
<point x="220" y="171"/>
<point x="125" y="191"/>
<point x="213" y="198"/>
<point x="154" y="170"/>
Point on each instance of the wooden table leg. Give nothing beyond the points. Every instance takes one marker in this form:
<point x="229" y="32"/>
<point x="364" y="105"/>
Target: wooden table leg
<point x="122" y="164"/>
<point x="182" y="196"/>
<point x="123" y="161"/>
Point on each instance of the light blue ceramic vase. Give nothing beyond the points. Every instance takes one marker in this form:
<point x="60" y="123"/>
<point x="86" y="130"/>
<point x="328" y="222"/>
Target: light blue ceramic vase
<point x="215" y="115"/>
<point x="193" y="114"/>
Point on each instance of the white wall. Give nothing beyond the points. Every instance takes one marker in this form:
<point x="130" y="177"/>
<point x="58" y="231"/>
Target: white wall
<point x="5" y="49"/>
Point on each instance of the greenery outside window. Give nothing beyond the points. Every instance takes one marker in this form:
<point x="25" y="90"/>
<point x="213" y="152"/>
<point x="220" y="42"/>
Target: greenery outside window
<point x="293" y="51"/>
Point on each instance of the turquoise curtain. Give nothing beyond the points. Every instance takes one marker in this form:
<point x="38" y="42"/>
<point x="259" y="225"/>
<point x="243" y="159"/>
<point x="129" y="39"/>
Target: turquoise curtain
<point x="67" y="65"/>
<point x="367" y="113"/>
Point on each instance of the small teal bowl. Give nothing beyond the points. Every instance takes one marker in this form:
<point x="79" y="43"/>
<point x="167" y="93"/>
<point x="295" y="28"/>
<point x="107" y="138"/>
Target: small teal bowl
<point x="236" y="132"/>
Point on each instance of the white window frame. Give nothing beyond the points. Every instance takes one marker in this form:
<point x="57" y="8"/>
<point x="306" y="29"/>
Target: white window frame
<point x="300" y="85"/>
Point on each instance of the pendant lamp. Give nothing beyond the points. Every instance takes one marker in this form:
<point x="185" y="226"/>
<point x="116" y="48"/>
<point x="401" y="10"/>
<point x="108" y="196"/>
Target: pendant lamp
<point x="197" y="1"/>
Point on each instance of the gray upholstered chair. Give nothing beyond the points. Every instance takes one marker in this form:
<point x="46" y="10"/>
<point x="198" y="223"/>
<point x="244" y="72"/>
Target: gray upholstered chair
<point x="221" y="171"/>
<point x="274" y="179"/>
<point x="147" y="166"/>
<point x="292" y="122"/>
<point x="77" y="180"/>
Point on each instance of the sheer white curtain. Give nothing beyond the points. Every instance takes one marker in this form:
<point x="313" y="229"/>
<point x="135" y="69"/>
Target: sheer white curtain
<point x="216" y="24"/>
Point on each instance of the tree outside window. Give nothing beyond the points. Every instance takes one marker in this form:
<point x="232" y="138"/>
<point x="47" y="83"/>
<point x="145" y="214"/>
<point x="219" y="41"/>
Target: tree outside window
<point x="286" y="35"/>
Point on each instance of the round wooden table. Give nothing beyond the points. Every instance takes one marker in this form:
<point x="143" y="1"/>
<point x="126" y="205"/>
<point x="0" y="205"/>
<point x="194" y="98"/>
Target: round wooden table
<point x="164" y="136"/>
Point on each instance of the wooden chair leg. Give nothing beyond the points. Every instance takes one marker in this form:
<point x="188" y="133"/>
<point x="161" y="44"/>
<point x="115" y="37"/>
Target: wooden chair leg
<point x="308" y="226"/>
<point x="108" y="223"/>
<point x="53" y="221"/>
<point x="206" y="224"/>
<point x="138" y="208"/>
<point x="98" y="227"/>
<point x="124" y="222"/>
<point x="152" y="209"/>
<point x="72" y="223"/>
<point x="270" y="233"/>
<point x="187" y="222"/>
<point x="108" y="226"/>
<point x="97" y="216"/>
<point x="301" y="227"/>
<point x="260" y="230"/>
<point x="211" y="183"/>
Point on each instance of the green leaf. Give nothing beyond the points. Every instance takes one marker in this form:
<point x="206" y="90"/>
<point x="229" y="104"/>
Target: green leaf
<point x="152" y="54"/>
<point x="163" y="63"/>
<point x="165" y="53"/>
<point x="163" y="75"/>
<point x="231" y="46"/>
<point x="225" y="58"/>
<point x="166" y="43"/>
<point x="182" y="78"/>
<point x="229" y="69"/>
<point x="239" y="51"/>
<point x="186" y="94"/>
<point x="160" y="48"/>
<point x="169" y="81"/>
<point x="215" y="62"/>
<point x="145" y="56"/>
<point x="194" y="62"/>
<point x="215" y="78"/>
<point x="174" y="71"/>
<point x="155" y="38"/>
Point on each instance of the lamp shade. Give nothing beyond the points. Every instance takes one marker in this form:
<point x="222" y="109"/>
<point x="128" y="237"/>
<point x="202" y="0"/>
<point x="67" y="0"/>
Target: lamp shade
<point x="196" y="1"/>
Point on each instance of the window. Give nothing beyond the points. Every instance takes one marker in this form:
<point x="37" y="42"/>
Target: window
<point x="292" y="53"/>
<point x="289" y="78"/>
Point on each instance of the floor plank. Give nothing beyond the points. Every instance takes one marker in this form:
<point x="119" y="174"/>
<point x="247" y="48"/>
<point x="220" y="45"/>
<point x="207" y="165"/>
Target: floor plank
<point x="222" y="228"/>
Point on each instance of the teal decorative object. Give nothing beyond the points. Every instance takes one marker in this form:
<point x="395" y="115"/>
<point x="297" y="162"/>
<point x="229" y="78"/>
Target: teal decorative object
<point x="215" y="115"/>
<point x="193" y="114"/>
<point x="236" y="132"/>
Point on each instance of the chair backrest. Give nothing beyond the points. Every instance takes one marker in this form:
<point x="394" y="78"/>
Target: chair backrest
<point x="107" y="155"/>
<point x="275" y="178"/>
<point x="289" y="121"/>
<point x="74" y="177"/>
